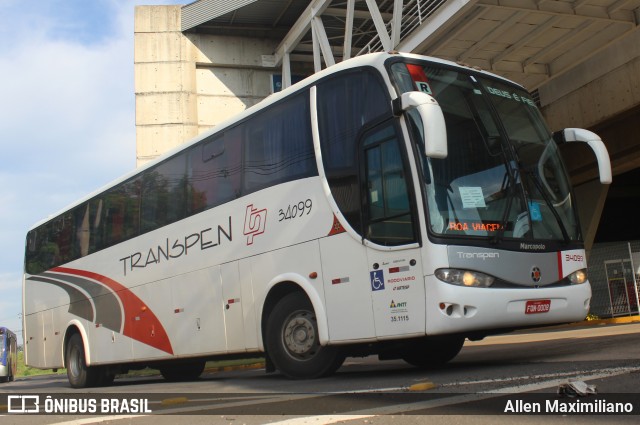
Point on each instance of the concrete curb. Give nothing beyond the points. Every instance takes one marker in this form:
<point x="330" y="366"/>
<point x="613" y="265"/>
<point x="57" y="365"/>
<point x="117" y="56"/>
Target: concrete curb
<point x="582" y="324"/>
<point x="256" y="365"/>
<point x="614" y="320"/>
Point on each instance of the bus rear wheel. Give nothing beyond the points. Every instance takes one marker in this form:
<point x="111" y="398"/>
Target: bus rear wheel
<point x="78" y="373"/>
<point x="434" y="351"/>
<point x="292" y="340"/>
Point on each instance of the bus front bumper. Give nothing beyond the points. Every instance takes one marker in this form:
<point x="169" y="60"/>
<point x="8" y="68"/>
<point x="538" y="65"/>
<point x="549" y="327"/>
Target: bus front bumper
<point x="457" y="309"/>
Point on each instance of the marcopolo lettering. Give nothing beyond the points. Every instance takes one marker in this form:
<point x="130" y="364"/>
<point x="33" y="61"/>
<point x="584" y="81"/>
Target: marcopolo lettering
<point x="532" y="246"/>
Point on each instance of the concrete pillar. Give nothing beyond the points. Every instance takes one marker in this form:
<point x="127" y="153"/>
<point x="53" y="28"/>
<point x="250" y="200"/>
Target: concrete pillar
<point x="165" y="82"/>
<point x="188" y="83"/>
<point x="230" y="75"/>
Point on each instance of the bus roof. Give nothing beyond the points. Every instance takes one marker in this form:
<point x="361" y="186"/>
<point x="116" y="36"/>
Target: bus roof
<point x="371" y="59"/>
<point x="6" y="331"/>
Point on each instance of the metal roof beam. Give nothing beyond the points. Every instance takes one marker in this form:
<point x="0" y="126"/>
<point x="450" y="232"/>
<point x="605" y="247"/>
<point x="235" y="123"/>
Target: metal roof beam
<point x="379" y="24"/>
<point x="357" y="13"/>
<point x="348" y="30"/>
<point x="396" y="22"/>
<point x="435" y="24"/>
<point x="300" y="28"/>
<point x="320" y="40"/>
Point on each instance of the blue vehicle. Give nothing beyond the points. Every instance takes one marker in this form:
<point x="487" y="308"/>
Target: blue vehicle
<point x="8" y="355"/>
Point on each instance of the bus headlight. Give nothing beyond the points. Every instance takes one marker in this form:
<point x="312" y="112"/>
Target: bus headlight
<point x="464" y="278"/>
<point x="578" y="277"/>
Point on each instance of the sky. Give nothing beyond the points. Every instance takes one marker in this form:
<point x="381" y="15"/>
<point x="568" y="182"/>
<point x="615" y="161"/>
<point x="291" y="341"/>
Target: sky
<point x="67" y="116"/>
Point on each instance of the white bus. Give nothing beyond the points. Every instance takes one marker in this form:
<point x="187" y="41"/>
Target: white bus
<point x="392" y="204"/>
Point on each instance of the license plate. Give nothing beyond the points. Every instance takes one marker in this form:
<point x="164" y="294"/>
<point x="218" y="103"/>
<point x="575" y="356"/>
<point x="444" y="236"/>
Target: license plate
<point x="537" y="306"/>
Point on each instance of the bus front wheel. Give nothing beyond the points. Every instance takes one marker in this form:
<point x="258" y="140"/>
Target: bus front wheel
<point x="292" y="340"/>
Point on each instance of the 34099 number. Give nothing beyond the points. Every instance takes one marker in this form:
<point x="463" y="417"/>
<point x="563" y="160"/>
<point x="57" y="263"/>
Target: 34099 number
<point x="296" y="210"/>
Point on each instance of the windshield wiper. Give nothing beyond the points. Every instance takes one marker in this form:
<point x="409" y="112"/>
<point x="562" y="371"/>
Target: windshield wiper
<point x="536" y="181"/>
<point x="508" y="183"/>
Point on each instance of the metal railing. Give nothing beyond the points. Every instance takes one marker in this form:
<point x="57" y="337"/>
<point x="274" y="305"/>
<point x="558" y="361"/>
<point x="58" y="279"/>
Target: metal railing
<point x="414" y="13"/>
<point x="614" y="273"/>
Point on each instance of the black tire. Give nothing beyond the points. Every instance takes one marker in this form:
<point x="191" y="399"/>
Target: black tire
<point x="432" y="352"/>
<point x="183" y="371"/>
<point x="79" y="375"/>
<point x="292" y="340"/>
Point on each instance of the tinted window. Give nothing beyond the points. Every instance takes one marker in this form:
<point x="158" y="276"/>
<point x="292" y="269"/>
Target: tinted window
<point x="278" y="145"/>
<point x="271" y="147"/>
<point x="346" y="104"/>
<point x="215" y="171"/>
<point x="164" y="193"/>
<point x="122" y="212"/>
<point x="389" y="218"/>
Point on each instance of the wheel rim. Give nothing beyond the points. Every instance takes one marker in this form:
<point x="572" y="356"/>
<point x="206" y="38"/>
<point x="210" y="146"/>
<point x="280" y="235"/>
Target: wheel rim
<point x="299" y="335"/>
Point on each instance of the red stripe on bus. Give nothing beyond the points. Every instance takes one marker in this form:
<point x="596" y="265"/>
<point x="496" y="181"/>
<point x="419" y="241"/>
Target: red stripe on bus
<point x="140" y="323"/>
<point x="560" y="273"/>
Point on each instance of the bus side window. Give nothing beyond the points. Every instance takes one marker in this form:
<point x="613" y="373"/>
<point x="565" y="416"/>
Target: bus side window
<point x="163" y="193"/>
<point x="278" y="146"/>
<point x="214" y="171"/>
<point x="122" y="212"/>
<point x="348" y="102"/>
<point x="63" y="236"/>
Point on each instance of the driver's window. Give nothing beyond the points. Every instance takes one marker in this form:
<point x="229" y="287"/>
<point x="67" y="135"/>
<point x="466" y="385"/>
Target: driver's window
<point x="389" y="219"/>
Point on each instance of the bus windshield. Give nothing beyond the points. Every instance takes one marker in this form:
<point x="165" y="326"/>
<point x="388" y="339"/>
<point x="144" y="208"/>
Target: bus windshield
<point x="503" y="176"/>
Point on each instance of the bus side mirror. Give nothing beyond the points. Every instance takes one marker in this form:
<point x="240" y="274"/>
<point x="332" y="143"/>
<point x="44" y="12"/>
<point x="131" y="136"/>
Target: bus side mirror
<point x="433" y="128"/>
<point x="595" y="143"/>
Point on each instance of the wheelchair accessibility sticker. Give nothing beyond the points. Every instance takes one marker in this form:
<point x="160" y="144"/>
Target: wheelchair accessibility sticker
<point x="377" y="280"/>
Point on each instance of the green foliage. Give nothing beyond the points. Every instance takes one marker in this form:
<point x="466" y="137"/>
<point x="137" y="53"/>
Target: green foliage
<point x="24" y="370"/>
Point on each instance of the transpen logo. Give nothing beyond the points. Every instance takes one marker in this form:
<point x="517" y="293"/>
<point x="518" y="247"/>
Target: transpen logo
<point x="254" y="223"/>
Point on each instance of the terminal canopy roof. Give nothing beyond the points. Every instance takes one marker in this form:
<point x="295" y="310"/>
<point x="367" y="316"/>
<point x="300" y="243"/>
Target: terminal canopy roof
<point x="529" y="41"/>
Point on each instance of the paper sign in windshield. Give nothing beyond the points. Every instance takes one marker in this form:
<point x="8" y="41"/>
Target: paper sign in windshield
<point x="472" y="197"/>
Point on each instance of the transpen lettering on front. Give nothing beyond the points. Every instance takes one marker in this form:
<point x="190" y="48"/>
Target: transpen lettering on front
<point x="479" y="255"/>
<point x="168" y="250"/>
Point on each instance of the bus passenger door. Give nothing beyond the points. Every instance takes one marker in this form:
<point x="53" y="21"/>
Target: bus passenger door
<point x="390" y="225"/>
